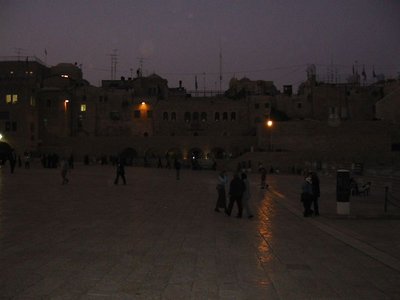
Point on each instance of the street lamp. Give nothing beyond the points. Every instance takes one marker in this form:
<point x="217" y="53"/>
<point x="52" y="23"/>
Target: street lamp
<point x="270" y="123"/>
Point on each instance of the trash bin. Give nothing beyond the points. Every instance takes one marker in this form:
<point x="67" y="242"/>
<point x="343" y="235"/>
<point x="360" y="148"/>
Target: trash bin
<point x="343" y="192"/>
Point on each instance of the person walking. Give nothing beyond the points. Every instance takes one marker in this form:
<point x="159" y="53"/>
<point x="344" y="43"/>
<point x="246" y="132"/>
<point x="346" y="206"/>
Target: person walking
<point x="120" y="172"/>
<point x="177" y="166"/>
<point x="246" y="196"/>
<point x="64" y="171"/>
<point x="307" y="195"/>
<point x="236" y="190"/>
<point x="264" y="184"/>
<point x="316" y="192"/>
<point x="221" y="201"/>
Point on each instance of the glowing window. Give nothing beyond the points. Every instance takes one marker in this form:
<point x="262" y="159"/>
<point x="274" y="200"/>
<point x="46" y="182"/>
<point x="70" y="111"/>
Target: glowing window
<point x="14" y="99"/>
<point x="33" y="101"/>
<point x="83" y="107"/>
<point x="8" y="99"/>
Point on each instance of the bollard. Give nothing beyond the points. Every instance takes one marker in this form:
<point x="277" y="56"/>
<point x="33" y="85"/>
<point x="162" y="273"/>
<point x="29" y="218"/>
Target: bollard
<point x="343" y="192"/>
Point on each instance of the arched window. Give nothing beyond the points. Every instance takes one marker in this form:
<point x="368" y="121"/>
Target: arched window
<point x="195" y="116"/>
<point x="233" y="116"/>
<point x="203" y="117"/>
<point x="165" y="116"/>
<point x="187" y="117"/>
<point x="216" y="116"/>
<point x="225" y="116"/>
<point x="173" y="116"/>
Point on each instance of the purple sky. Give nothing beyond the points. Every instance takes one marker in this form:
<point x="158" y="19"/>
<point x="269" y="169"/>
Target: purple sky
<point x="263" y="39"/>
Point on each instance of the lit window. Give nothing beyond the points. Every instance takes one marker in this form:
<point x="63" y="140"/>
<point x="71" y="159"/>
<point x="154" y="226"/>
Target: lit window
<point x="83" y="107"/>
<point x="64" y="76"/>
<point x="33" y="101"/>
<point x="14" y="99"/>
<point x="8" y="99"/>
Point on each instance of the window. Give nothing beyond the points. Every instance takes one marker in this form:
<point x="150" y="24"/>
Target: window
<point x="14" y="126"/>
<point x="187" y="117"/>
<point x="173" y="116"/>
<point x="299" y="104"/>
<point x="11" y="98"/>
<point x="225" y="116"/>
<point x="45" y="123"/>
<point x="195" y="116"/>
<point x="257" y="106"/>
<point x="216" y="116"/>
<point x="149" y="114"/>
<point x="165" y="116"/>
<point x="48" y="103"/>
<point x="114" y="115"/>
<point x="8" y="126"/>
<point x="83" y="107"/>
<point x="136" y="114"/>
<point x="32" y="101"/>
<point x="233" y="116"/>
<point x="203" y="117"/>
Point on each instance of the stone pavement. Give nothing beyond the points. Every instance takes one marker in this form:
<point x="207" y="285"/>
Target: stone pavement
<point x="159" y="238"/>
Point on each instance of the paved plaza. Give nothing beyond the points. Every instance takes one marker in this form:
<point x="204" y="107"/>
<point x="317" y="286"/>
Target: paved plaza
<point x="159" y="238"/>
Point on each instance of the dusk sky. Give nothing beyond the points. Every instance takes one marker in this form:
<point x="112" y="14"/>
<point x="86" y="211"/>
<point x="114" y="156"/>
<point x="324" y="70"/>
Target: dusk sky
<point x="268" y="40"/>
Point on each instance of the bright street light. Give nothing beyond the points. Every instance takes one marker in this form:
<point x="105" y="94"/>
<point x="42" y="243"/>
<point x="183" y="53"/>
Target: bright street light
<point x="270" y="123"/>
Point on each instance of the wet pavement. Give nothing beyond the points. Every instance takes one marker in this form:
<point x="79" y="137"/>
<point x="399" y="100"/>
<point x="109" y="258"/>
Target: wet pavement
<point x="159" y="238"/>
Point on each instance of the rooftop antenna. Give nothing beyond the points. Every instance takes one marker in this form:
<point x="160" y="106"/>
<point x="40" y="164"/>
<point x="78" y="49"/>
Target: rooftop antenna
<point x="220" y="67"/>
<point x="19" y="51"/>
<point x="139" y="72"/>
<point x="114" y="60"/>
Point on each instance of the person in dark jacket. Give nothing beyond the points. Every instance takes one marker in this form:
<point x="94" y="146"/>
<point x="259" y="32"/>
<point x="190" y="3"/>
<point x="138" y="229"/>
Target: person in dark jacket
<point x="236" y="190"/>
<point x="120" y="172"/>
<point x="316" y="192"/>
<point x="307" y="195"/>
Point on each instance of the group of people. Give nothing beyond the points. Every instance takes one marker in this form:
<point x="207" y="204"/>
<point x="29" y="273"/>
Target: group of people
<point x="239" y="193"/>
<point x="310" y="194"/>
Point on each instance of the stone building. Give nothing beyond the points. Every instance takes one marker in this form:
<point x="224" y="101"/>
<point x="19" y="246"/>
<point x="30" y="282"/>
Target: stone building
<point x="54" y="109"/>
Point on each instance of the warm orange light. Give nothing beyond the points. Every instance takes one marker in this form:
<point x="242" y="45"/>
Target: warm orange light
<point x="270" y="123"/>
<point x="66" y="101"/>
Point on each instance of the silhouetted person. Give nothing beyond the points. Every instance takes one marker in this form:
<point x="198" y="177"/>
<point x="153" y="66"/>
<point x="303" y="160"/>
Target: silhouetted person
<point x="221" y="200"/>
<point x="120" y="172"/>
<point x="27" y="160"/>
<point x="264" y="184"/>
<point x="307" y="195"/>
<point x="159" y="165"/>
<point x="12" y="157"/>
<point x="246" y="196"/>
<point x="177" y="166"/>
<point x="71" y="161"/>
<point x="236" y="190"/>
<point x="64" y="171"/>
<point x="316" y="192"/>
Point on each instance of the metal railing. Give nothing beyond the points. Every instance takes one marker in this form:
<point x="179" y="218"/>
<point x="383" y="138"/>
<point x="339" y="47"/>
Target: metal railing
<point x="22" y="59"/>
